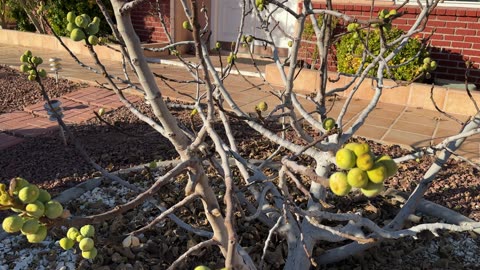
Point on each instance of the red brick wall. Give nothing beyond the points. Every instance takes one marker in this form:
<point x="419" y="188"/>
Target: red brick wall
<point x="456" y="40"/>
<point x="147" y="23"/>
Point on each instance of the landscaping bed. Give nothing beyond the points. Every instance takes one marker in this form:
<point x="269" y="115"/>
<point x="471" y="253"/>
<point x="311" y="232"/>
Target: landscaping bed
<point x="128" y="142"/>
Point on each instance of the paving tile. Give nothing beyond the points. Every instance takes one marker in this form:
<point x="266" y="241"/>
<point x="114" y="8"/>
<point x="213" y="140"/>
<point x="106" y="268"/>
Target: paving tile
<point x="9" y="121"/>
<point x="427" y="130"/>
<point x="371" y="132"/>
<point x="7" y="141"/>
<point x="406" y="138"/>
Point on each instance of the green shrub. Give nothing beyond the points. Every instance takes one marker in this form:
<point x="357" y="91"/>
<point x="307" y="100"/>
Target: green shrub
<point x="58" y="9"/>
<point x="350" y="49"/>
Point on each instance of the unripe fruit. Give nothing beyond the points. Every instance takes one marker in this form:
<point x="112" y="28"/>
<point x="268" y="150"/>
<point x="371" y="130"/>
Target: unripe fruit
<point x="30" y="226"/>
<point x="372" y="189"/>
<point x="101" y="111"/>
<point x="79" y="238"/>
<point x="29" y="193"/>
<point x="92" y="28"/>
<point x="37" y="60"/>
<point x="339" y="184"/>
<point x="345" y="159"/>
<point x="377" y="173"/>
<point x="77" y="34"/>
<point x="24" y="68"/>
<point x="87" y="231"/>
<point x="361" y="148"/>
<point x="262" y="106"/>
<point x="66" y="243"/>
<point x="351" y="146"/>
<point x="96" y="20"/>
<point x="24" y="58"/>
<point x="433" y="65"/>
<point x="53" y="209"/>
<point x="290" y="43"/>
<point x="35" y="209"/>
<point x="71" y="26"/>
<point x="12" y="224"/>
<point x="249" y="38"/>
<point x="93" y="40"/>
<point x="328" y="123"/>
<point x="44" y="196"/>
<point x="86" y="18"/>
<point x="389" y="164"/>
<point x="39" y="236"/>
<point x="357" y="178"/>
<point x="186" y="25"/>
<point x="201" y="267"/>
<point x="71" y="17"/>
<point x="72" y="233"/>
<point x="427" y="60"/>
<point x="42" y="73"/>
<point x="90" y="254"/>
<point x="28" y="53"/>
<point x="32" y="77"/>
<point x="81" y="22"/>
<point x="86" y="244"/>
<point x="365" y="161"/>
<point x="218" y="45"/>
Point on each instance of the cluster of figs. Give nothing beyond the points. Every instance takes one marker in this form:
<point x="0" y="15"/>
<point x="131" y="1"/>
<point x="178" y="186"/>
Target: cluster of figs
<point x="29" y="65"/>
<point x="34" y="209"/>
<point x="361" y="169"/>
<point x="82" y="26"/>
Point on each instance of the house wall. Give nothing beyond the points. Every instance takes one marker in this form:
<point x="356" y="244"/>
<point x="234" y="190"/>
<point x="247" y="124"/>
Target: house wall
<point x="456" y="40"/>
<point x="147" y="23"/>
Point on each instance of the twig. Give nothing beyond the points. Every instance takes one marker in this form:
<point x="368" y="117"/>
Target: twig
<point x="197" y="247"/>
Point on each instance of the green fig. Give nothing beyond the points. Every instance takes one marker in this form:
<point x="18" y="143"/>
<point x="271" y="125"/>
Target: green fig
<point x="86" y="244"/>
<point x="81" y="22"/>
<point x="262" y="106"/>
<point x="71" y="17"/>
<point x="186" y="25"/>
<point x="87" y="231"/>
<point x="389" y="164"/>
<point x="53" y="209"/>
<point x="24" y="58"/>
<point x="357" y="178"/>
<point x="92" y="29"/>
<point x="39" y="236"/>
<point x="43" y="195"/>
<point x="77" y="34"/>
<point x="30" y="226"/>
<point x="328" y="123"/>
<point x="42" y="73"/>
<point x="71" y="26"/>
<point x="29" y="194"/>
<point x="66" y="243"/>
<point x="345" y="159"/>
<point x="90" y="254"/>
<point x="339" y="184"/>
<point x="377" y="173"/>
<point x="12" y="224"/>
<point x="24" y="68"/>
<point x="93" y="40"/>
<point x="372" y="189"/>
<point x="365" y="161"/>
<point x="35" y="209"/>
<point x="72" y="233"/>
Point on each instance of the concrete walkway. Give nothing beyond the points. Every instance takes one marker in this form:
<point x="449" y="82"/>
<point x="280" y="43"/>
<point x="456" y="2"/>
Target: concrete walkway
<point x="388" y="123"/>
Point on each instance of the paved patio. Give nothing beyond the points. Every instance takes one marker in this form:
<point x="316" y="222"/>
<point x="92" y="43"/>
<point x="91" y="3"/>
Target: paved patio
<point x="388" y="123"/>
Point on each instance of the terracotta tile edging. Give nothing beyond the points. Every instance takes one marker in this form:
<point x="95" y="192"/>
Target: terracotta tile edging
<point x="415" y="94"/>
